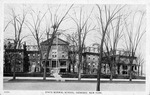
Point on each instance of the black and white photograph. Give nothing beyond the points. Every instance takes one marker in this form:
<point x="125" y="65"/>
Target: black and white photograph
<point x="74" y="47"/>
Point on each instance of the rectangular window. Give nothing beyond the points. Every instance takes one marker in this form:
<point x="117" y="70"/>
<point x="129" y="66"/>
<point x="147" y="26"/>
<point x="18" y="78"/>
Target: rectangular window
<point x="135" y="67"/>
<point x="47" y="64"/>
<point x="124" y="72"/>
<point x="62" y="63"/>
<point x="62" y="70"/>
<point x="53" y="63"/>
<point x="54" y="54"/>
<point x="124" y="67"/>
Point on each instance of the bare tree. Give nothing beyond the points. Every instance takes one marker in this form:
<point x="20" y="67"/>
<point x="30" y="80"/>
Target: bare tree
<point x="8" y="23"/>
<point x="17" y="21"/>
<point x="133" y="37"/>
<point x="113" y="36"/>
<point x="72" y="39"/>
<point x="35" y="29"/>
<point x="140" y="60"/>
<point x="83" y="28"/>
<point x="56" y="22"/>
<point x="105" y="18"/>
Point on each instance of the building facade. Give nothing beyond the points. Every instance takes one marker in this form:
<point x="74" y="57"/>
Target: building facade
<point x="121" y="65"/>
<point x="64" y="58"/>
<point x="58" y="55"/>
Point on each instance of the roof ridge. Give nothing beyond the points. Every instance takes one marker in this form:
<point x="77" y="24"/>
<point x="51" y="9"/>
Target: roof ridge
<point x="53" y="42"/>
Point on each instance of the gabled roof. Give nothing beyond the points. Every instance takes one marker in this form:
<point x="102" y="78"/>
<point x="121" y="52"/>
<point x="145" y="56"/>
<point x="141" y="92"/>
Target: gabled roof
<point x="55" y="41"/>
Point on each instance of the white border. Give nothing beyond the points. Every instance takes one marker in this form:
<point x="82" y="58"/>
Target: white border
<point x="146" y="2"/>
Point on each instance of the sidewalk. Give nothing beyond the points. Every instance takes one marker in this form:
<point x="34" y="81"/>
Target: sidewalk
<point x="7" y="79"/>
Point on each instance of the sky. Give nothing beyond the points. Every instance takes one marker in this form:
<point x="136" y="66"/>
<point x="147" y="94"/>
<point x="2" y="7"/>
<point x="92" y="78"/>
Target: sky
<point x="69" y="25"/>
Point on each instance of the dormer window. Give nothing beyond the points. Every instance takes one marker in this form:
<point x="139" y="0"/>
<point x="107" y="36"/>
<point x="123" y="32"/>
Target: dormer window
<point x="63" y="56"/>
<point x="33" y="54"/>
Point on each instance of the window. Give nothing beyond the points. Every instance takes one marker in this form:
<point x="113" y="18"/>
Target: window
<point x="63" y="56"/>
<point x="62" y="63"/>
<point x="33" y="54"/>
<point x="62" y="70"/>
<point x="124" y="72"/>
<point x="43" y="62"/>
<point x="47" y="70"/>
<point x="54" y="54"/>
<point x="89" y="57"/>
<point x="104" y="66"/>
<point x="53" y="63"/>
<point x="124" y="67"/>
<point x="135" y="67"/>
<point x="47" y="63"/>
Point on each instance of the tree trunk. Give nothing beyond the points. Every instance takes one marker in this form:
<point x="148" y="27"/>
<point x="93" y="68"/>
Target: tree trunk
<point x="111" y="74"/>
<point x="139" y="70"/>
<point x="130" y="71"/>
<point x="79" y="66"/>
<point x="44" y="75"/>
<point x="14" y="68"/>
<point x="69" y="68"/>
<point x="73" y="66"/>
<point x="98" y="76"/>
<point x="130" y="78"/>
<point x="41" y="61"/>
<point x="110" y="69"/>
<point x="79" y="73"/>
<point x="99" y="65"/>
<point x="48" y="51"/>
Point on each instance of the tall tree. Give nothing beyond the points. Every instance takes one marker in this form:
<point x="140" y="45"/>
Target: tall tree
<point x="72" y="39"/>
<point x="113" y="36"/>
<point x="140" y="60"/>
<point x="56" y="22"/>
<point x="17" y="21"/>
<point x="133" y="35"/>
<point x="105" y="18"/>
<point x="34" y="25"/>
<point x="83" y="28"/>
<point x="26" y="63"/>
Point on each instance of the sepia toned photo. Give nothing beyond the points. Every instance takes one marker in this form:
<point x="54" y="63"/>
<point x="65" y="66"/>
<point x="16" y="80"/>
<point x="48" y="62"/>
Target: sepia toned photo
<point x="74" y="47"/>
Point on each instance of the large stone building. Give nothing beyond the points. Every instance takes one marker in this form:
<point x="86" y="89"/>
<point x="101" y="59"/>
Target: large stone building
<point x="60" y="57"/>
<point x="121" y="65"/>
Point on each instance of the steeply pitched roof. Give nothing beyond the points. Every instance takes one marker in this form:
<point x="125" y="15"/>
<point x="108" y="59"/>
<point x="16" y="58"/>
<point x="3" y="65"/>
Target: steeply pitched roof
<point x="55" y="41"/>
